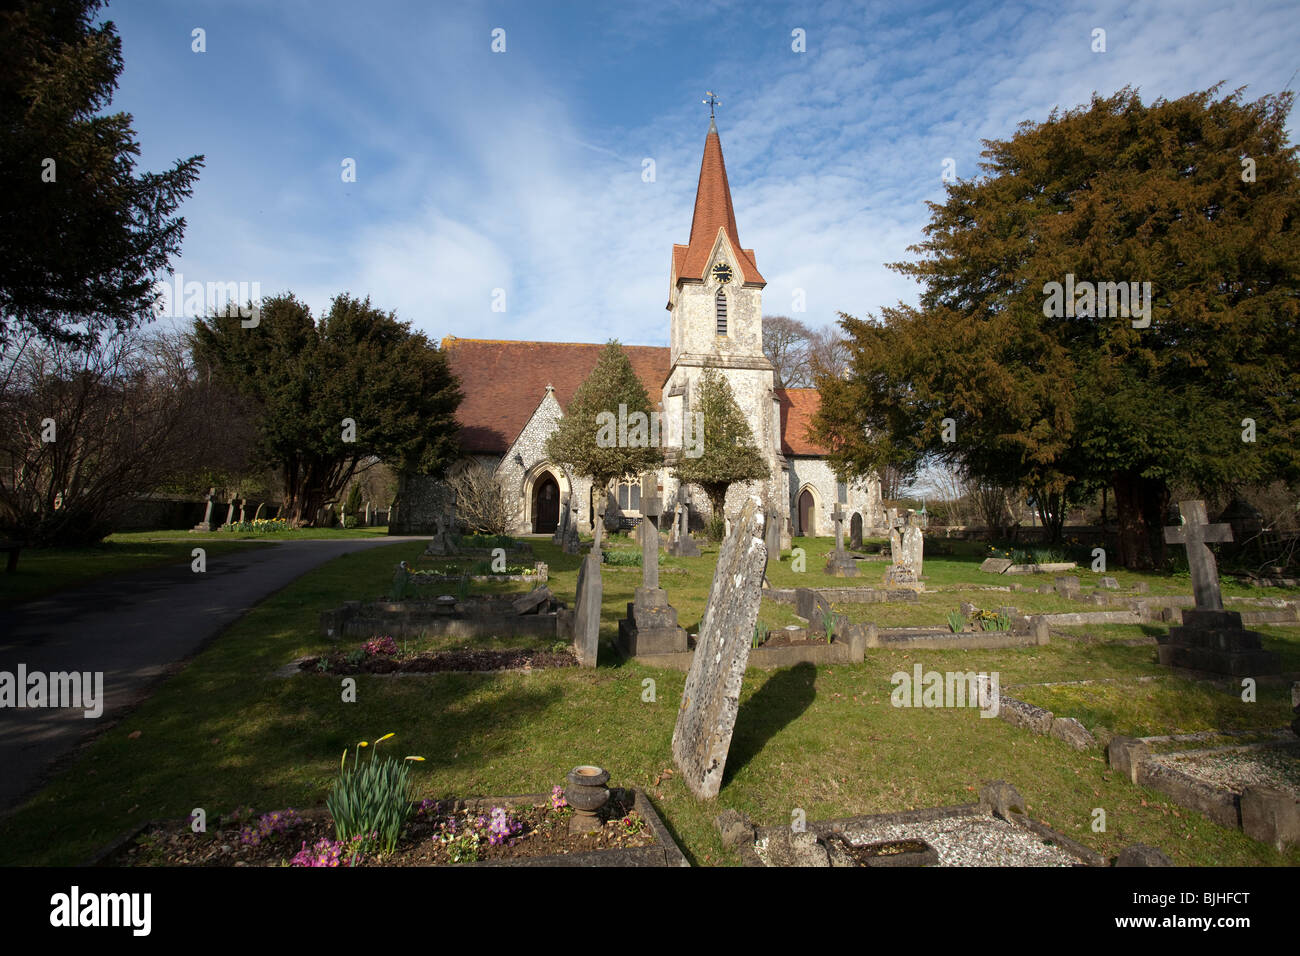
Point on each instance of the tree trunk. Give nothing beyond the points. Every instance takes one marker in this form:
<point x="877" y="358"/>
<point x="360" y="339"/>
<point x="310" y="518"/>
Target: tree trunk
<point x="1140" y="507"/>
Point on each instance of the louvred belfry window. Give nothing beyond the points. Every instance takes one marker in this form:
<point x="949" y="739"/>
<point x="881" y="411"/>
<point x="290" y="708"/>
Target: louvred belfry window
<point x="721" y="310"/>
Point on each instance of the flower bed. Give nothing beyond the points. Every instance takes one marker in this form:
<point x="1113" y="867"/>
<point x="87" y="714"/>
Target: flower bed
<point x="530" y="830"/>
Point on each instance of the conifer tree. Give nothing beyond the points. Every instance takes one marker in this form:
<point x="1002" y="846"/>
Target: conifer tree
<point x="728" y="452"/>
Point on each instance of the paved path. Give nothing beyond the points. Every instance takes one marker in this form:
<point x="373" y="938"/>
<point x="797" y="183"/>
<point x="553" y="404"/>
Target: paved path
<point x="132" y="627"/>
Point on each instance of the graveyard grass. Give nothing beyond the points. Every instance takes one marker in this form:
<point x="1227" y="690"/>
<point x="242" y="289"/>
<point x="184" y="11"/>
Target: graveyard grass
<point x="44" y="571"/>
<point x="224" y="732"/>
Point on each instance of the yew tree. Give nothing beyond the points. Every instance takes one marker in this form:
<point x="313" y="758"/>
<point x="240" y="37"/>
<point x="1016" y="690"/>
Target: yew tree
<point x="330" y="395"/>
<point x="583" y="438"/>
<point x="727" y="450"/>
<point x="1198" y="196"/>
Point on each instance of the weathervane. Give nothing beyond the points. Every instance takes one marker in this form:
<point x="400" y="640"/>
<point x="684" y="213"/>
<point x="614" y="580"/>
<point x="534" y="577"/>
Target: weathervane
<point x="711" y="102"/>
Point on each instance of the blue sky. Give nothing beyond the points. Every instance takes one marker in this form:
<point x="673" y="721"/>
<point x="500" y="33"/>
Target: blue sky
<point x="522" y="170"/>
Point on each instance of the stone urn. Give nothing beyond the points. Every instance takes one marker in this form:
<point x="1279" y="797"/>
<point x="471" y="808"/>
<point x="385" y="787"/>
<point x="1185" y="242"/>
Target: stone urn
<point x="587" y="793"/>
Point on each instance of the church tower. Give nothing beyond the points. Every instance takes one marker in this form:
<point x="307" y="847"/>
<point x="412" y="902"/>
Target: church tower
<point x="715" y="298"/>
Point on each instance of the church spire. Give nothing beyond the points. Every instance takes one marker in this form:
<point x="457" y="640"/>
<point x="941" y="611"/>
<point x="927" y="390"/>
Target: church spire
<point x="713" y="212"/>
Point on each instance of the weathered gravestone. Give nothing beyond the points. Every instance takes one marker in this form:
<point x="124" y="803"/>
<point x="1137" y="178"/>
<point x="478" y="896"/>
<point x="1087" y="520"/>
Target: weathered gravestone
<point x="562" y="526"/>
<point x="913" y="545"/>
<point x="855" y="531"/>
<point x="1210" y="638"/>
<point x="443" y="524"/>
<point x="711" y="698"/>
<point x="840" y="563"/>
<point x="230" y="511"/>
<point x="651" y="623"/>
<point x="206" y="523"/>
<point x="586" y="611"/>
<point x="683" y="545"/>
<point x="995" y="565"/>
<point x="772" y="537"/>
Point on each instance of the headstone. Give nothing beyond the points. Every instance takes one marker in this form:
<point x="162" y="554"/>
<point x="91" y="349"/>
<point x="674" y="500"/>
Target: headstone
<point x="443" y="523"/>
<point x="855" y="531"/>
<point x="1068" y="586"/>
<point x="586" y="611"/>
<point x="562" y="526"/>
<point x="533" y="602"/>
<point x="206" y="523"/>
<point x="913" y="545"/>
<point x="243" y="504"/>
<point x="601" y="501"/>
<point x="365" y="519"/>
<point x="683" y="545"/>
<point x="787" y="535"/>
<point x="257" y="515"/>
<point x="1111" y="584"/>
<point x="772" y="537"/>
<point x="810" y="605"/>
<point x="995" y="565"/>
<point x="230" y="511"/>
<point x="711" y="697"/>
<point x="840" y="563"/>
<point x="1210" y="638"/>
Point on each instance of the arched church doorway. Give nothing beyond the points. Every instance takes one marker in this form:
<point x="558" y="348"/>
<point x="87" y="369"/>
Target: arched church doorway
<point x="546" y="504"/>
<point x="807" y="513"/>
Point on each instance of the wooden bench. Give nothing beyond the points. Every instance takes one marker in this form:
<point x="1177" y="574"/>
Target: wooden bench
<point x="11" y="548"/>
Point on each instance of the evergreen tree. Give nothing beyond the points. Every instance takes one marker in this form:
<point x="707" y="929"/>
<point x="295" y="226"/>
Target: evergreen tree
<point x="330" y="395"/>
<point x="82" y="237"/>
<point x="589" y="437"/>
<point x="1200" y="198"/>
<point x="728" y="453"/>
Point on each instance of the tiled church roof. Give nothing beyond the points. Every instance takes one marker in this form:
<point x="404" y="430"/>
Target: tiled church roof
<point x="503" y="383"/>
<point x="713" y="211"/>
<point x="798" y="405"/>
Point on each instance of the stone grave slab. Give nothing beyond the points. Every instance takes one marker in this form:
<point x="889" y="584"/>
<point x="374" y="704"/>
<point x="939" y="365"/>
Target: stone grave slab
<point x="995" y="565"/>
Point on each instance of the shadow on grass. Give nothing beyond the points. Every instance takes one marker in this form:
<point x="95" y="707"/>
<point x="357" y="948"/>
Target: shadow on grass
<point x="775" y="705"/>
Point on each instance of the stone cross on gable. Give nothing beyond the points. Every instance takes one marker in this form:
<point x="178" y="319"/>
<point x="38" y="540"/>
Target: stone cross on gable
<point x="1195" y="532"/>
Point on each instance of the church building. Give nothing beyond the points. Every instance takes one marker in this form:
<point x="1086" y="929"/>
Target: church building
<point x="515" y="392"/>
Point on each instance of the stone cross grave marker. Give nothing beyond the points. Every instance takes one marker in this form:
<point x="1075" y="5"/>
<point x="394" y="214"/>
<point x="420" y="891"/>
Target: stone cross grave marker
<point x="683" y="545"/>
<point x="562" y="526"/>
<point x="840" y="564"/>
<point x="1210" y="638"/>
<point x="230" y="511"/>
<point x="651" y="507"/>
<point x="1195" y="532"/>
<point x="206" y="523"/>
<point x="711" y="697"/>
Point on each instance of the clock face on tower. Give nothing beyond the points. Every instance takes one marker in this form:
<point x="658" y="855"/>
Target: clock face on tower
<point x="722" y="272"/>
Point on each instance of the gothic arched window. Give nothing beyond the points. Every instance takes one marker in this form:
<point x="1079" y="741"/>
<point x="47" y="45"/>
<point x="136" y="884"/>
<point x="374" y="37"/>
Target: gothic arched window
<point x="720" y="308"/>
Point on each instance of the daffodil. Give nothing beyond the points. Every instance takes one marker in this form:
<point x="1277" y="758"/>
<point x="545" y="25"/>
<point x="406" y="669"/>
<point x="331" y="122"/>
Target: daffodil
<point x="383" y="738"/>
<point x="421" y="759"/>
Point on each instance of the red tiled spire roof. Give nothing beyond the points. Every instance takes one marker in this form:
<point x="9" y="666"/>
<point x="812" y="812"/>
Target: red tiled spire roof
<point x="713" y="211"/>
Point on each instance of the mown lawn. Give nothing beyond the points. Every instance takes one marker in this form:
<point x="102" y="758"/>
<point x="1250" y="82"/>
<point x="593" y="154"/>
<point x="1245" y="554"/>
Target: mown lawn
<point x="43" y="571"/>
<point x="224" y="733"/>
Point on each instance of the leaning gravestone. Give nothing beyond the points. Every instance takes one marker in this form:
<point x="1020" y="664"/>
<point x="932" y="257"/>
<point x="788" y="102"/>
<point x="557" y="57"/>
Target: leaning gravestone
<point x="586" y="611"/>
<point x="995" y="565"/>
<point x="711" y="698"/>
<point x="1210" y="638"/>
<point x="855" y="531"/>
<point x="206" y="523"/>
